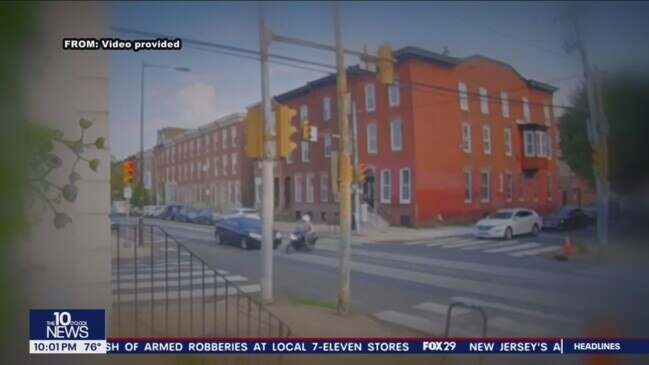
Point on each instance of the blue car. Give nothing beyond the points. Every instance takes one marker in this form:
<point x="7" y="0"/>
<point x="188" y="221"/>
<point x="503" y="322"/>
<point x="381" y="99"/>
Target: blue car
<point x="567" y="218"/>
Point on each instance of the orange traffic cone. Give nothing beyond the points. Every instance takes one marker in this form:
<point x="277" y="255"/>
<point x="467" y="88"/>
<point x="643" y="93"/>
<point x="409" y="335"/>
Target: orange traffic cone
<point x="567" y="247"/>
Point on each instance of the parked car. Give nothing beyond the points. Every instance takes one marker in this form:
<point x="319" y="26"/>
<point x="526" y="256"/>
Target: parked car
<point x="567" y="218"/>
<point x="119" y="208"/>
<point x="243" y="212"/>
<point x="185" y="214"/>
<point x="170" y="212"/>
<point x="148" y="209"/>
<point x="135" y="211"/>
<point x="241" y="231"/>
<point x="204" y="216"/>
<point x="158" y="211"/>
<point x="506" y="223"/>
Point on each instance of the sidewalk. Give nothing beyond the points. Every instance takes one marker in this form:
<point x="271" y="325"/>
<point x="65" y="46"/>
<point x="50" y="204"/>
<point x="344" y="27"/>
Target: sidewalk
<point x="389" y="234"/>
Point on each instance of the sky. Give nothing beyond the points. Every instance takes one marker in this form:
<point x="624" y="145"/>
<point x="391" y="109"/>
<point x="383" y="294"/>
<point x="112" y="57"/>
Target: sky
<point x="526" y="35"/>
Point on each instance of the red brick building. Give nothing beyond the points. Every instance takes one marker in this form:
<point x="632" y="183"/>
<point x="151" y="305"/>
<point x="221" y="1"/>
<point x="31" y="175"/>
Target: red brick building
<point x="204" y="167"/>
<point x="452" y="139"/>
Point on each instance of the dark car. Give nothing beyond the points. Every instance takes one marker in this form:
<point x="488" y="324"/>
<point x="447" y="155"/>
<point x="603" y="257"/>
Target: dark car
<point x="243" y="232"/>
<point x="567" y="218"/>
<point x="203" y="216"/>
<point x="186" y="214"/>
<point x="169" y="212"/>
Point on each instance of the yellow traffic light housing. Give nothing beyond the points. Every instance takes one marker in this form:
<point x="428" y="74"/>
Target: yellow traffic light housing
<point x="284" y="130"/>
<point x="306" y="130"/>
<point x="254" y="133"/>
<point x="129" y="172"/>
<point x="385" y="67"/>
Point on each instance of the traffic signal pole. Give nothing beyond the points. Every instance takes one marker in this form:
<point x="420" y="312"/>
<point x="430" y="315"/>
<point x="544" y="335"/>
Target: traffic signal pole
<point x="266" y="167"/>
<point x="357" y="187"/>
<point x="343" y="161"/>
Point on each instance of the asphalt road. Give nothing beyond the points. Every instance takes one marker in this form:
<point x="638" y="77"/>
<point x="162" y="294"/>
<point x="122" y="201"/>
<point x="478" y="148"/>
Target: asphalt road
<point x="523" y="290"/>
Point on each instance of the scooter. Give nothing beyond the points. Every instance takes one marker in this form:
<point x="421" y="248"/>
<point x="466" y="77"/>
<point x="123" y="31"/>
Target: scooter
<point x="298" y="242"/>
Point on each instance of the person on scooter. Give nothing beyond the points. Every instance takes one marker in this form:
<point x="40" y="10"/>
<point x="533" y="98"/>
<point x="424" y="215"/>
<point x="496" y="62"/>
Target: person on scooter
<point x="305" y="226"/>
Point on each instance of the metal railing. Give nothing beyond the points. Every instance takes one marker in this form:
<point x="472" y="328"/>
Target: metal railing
<point x="161" y="288"/>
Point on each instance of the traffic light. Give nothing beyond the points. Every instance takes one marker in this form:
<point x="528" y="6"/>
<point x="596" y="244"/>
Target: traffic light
<point x="362" y="170"/>
<point x="306" y="130"/>
<point x="384" y="65"/>
<point x="129" y="172"/>
<point x="284" y="130"/>
<point x="254" y="133"/>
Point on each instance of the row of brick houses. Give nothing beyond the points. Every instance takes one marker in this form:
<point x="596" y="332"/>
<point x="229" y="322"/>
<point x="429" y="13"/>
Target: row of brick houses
<point x="452" y="139"/>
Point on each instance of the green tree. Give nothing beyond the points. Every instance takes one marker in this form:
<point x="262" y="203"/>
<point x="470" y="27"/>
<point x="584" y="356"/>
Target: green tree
<point x="627" y="110"/>
<point x="140" y="197"/>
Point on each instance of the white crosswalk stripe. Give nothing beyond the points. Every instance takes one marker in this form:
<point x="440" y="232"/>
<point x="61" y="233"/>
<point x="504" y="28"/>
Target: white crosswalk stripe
<point x="491" y="245"/>
<point x="536" y="251"/>
<point x="512" y="248"/>
<point x="467" y="243"/>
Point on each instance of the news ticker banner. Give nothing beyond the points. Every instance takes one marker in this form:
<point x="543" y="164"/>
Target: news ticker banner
<point x="84" y="331"/>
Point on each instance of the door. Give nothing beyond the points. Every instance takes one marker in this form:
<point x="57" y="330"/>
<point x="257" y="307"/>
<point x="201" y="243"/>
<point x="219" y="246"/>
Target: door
<point x="368" y="188"/>
<point x="524" y="221"/>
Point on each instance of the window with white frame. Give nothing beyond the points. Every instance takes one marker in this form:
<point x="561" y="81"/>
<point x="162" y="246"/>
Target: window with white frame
<point x="167" y="155"/>
<point x="394" y="97"/>
<point x="233" y="133"/>
<point x="468" y="186"/>
<point x="225" y="165"/>
<point x="304" y="112"/>
<point x="173" y="174"/>
<point x="550" y="186"/>
<point x="504" y="104"/>
<point x="386" y="186"/>
<point x="372" y="141"/>
<point x="466" y="137"/>
<point x="370" y="98"/>
<point x="305" y="151"/>
<point x="233" y="157"/>
<point x="191" y="148"/>
<point x="207" y="143"/>
<point x="324" y="187"/>
<point x="224" y="138"/>
<point x="539" y="141"/>
<point x="173" y="153"/>
<point x="327" y="146"/>
<point x="464" y="97"/>
<point x="191" y="170"/>
<point x="405" y="186"/>
<point x="509" y="186"/>
<point x="485" y="187"/>
<point x="508" y="142"/>
<point x="546" y="114"/>
<point x="168" y="174"/>
<point x="215" y="139"/>
<point x="484" y="101"/>
<point x="326" y="108"/>
<point x="526" y="109"/>
<point x="486" y="139"/>
<point x="199" y="169"/>
<point x="216" y="166"/>
<point x="298" y="188"/>
<point x="230" y="192"/>
<point x="396" y="139"/>
<point x="528" y="140"/>
<point x="309" y="188"/>
<point x="237" y="192"/>
<point x="198" y="146"/>
<point x="184" y="150"/>
<point x="521" y="188"/>
<point x="548" y="146"/>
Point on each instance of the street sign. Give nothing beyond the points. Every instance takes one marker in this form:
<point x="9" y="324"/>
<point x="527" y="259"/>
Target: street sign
<point x="128" y="192"/>
<point x="313" y="134"/>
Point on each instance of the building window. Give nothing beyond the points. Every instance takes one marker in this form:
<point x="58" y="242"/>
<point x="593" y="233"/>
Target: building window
<point x="298" y="188"/>
<point x="199" y="169"/>
<point x="309" y="188"/>
<point x="394" y="97"/>
<point x="234" y="163"/>
<point x="484" y="186"/>
<point x="395" y="135"/>
<point x="216" y="166"/>
<point x="215" y="138"/>
<point x="304" y="112"/>
<point x="528" y="137"/>
<point x="550" y="186"/>
<point x="370" y="100"/>
<point x="305" y="151"/>
<point x="526" y="109"/>
<point x="237" y="192"/>
<point x="464" y="98"/>
<point x="486" y="139"/>
<point x="326" y="108"/>
<point x="509" y="186"/>
<point x="521" y="188"/>
<point x="198" y="146"/>
<point x="225" y="165"/>
<point x="191" y="148"/>
<point x="233" y="132"/>
<point x="386" y="186"/>
<point x="191" y="171"/>
<point x="224" y="137"/>
<point x="504" y="103"/>
<point x="468" y="186"/>
<point x="535" y="187"/>
<point x="548" y="146"/>
<point x="404" y="186"/>
<point x="508" y="142"/>
<point x="327" y="146"/>
<point x="372" y="142"/>
<point x="466" y="137"/>
<point x="546" y="114"/>
<point x="484" y="102"/>
<point x="230" y="192"/>
<point x="324" y="187"/>
<point x="258" y="190"/>
<point x="289" y="158"/>
<point x="337" y="197"/>
<point x="539" y="142"/>
<point x="207" y="143"/>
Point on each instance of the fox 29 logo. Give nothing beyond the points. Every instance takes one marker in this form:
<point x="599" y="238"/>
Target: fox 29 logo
<point x="72" y="324"/>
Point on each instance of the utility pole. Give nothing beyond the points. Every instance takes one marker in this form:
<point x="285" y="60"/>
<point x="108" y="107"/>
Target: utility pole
<point x="597" y="135"/>
<point x="266" y="167"/>
<point x="357" y="200"/>
<point x="344" y="165"/>
<point x="140" y="165"/>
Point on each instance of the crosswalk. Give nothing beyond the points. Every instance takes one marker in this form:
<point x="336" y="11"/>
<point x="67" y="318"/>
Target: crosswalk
<point x="144" y="280"/>
<point x="514" y="248"/>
